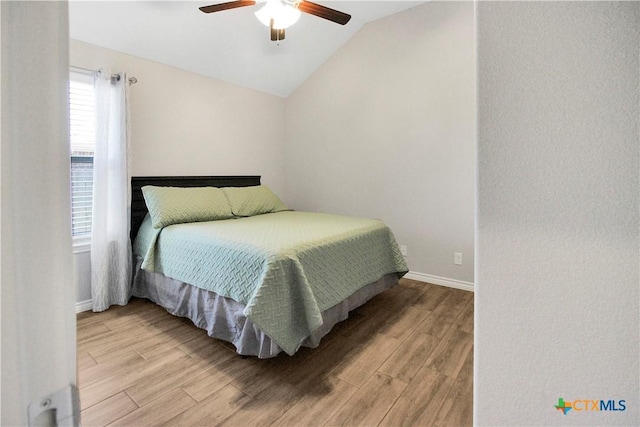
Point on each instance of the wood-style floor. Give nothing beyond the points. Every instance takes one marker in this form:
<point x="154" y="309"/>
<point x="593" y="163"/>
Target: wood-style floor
<point x="403" y="359"/>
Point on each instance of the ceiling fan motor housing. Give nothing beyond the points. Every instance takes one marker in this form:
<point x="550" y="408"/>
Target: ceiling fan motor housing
<point x="280" y="14"/>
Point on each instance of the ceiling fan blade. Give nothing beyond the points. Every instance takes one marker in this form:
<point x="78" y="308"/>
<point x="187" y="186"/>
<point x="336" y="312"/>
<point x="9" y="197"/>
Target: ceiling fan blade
<point x="324" y="12"/>
<point x="225" y="6"/>
<point x="276" y="34"/>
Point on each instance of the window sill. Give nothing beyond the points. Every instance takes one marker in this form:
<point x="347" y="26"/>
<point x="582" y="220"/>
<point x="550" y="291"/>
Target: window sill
<point x="81" y="244"/>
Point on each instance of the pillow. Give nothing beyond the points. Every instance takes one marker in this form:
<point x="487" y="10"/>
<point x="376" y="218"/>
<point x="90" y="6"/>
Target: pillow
<point x="175" y="205"/>
<point x="248" y="201"/>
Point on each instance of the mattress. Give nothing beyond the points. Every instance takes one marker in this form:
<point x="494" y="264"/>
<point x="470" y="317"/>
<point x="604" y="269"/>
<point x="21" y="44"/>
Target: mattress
<point x="284" y="269"/>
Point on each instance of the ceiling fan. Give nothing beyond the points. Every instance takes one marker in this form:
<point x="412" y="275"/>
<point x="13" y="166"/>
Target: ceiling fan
<point x="281" y="14"/>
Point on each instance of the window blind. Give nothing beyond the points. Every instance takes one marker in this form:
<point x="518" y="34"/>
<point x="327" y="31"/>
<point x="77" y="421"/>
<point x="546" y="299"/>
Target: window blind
<point x="82" y="133"/>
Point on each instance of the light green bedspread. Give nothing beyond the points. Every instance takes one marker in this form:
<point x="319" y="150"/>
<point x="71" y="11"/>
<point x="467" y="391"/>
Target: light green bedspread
<point x="285" y="267"/>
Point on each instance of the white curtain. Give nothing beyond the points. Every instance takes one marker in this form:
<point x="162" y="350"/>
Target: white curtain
<point x="110" y="245"/>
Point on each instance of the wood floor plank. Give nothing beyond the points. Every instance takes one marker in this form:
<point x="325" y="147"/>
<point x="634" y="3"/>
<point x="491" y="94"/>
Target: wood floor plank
<point x="220" y="372"/>
<point x="420" y="401"/>
<point x="172" y="375"/>
<point x="265" y="407"/>
<point x="465" y="321"/>
<point x="145" y="313"/>
<point x="206" y="383"/>
<point x="370" y="403"/>
<point x="435" y="325"/>
<point x="264" y="378"/>
<point x="359" y="368"/>
<point x="422" y="287"/>
<point x="114" y="384"/>
<point x="87" y="331"/>
<point x="212" y="410"/>
<point x="335" y="352"/>
<point x="159" y="411"/>
<point x="108" y="411"/>
<point x="124" y="364"/>
<point x="118" y="342"/>
<point x="403" y="325"/>
<point x="457" y="408"/>
<point x="319" y="404"/>
<point x="394" y="300"/>
<point x="171" y="338"/>
<point x="92" y="342"/>
<point x="408" y="358"/>
<point x="87" y="317"/>
<point x="451" y="353"/>
<point x="450" y="308"/>
<point x="84" y="361"/>
<point x="404" y="358"/>
<point x="433" y="297"/>
<point x="373" y="321"/>
<point x="316" y="365"/>
<point x="204" y="347"/>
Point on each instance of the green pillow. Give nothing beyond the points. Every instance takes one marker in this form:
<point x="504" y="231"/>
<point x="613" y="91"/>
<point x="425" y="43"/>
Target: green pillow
<point x="248" y="201"/>
<point x="175" y="205"/>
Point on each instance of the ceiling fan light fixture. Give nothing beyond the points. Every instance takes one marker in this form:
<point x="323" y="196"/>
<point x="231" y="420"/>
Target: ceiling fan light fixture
<point x="283" y="15"/>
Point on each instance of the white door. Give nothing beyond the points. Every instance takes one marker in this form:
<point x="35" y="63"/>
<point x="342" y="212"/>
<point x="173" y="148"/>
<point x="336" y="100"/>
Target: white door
<point x="38" y="316"/>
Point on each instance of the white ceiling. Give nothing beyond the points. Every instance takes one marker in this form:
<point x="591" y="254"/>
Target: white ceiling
<point x="231" y="45"/>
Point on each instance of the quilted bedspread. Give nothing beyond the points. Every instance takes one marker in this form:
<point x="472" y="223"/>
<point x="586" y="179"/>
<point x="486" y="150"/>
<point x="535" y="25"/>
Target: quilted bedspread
<point x="285" y="267"/>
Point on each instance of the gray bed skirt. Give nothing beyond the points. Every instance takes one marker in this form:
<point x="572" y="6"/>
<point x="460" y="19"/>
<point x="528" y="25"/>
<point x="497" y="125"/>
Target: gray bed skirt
<point x="223" y="318"/>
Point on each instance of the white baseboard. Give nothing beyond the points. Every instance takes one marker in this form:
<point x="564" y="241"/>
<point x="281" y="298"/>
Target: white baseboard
<point x="442" y="281"/>
<point x="85" y="305"/>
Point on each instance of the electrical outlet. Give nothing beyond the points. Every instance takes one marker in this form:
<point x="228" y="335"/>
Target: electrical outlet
<point x="403" y="250"/>
<point x="457" y="258"/>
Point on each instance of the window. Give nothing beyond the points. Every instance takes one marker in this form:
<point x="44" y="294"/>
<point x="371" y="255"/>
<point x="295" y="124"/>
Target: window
<point x="82" y="132"/>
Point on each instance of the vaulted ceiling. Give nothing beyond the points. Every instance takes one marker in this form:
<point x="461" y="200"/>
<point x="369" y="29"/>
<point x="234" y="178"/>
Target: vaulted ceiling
<point x="231" y="45"/>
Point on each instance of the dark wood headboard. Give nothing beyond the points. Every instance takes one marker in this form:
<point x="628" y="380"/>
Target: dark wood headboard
<point x="139" y="208"/>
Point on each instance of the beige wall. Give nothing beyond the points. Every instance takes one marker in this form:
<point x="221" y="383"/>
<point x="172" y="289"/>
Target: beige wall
<point x="386" y="128"/>
<point x="557" y="285"/>
<point x="183" y="123"/>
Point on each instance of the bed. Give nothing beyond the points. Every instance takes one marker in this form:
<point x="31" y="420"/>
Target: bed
<point x="259" y="275"/>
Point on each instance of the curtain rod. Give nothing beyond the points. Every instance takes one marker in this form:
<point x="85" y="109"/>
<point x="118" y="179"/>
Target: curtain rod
<point x="132" y="80"/>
